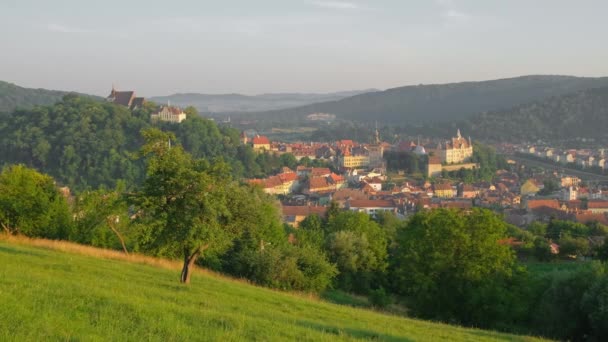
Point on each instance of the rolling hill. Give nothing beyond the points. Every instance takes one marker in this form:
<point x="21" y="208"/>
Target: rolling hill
<point x="13" y="96"/>
<point x="206" y="103"/>
<point x="54" y="290"/>
<point x="437" y="103"/>
<point x="583" y="114"/>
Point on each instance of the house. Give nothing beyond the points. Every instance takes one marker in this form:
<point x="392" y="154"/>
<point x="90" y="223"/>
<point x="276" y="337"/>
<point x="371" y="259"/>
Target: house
<point x="597" y="206"/>
<point x="260" y="143"/>
<point x="125" y="98"/>
<point x="467" y="191"/>
<point x="444" y="190"/>
<point x="371" y="207"/>
<point x="169" y="114"/>
<point x="319" y="185"/>
<point x="295" y="214"/>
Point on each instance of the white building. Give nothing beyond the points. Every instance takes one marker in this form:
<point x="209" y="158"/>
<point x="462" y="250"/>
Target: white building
<point x="169" y="114"/>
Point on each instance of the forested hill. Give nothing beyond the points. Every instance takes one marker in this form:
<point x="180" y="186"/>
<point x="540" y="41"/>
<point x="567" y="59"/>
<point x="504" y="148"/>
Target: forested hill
<point x="85" y="144"/>
<point x="582" y="114"/>
<point x="13" y="96"/>
<point x="435" y="103"/>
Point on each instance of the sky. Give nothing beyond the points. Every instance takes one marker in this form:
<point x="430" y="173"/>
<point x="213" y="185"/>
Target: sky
<point x="269" y="46"/>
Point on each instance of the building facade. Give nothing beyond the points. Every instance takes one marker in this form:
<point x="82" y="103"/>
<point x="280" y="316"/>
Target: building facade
<point x="458" y="150"/>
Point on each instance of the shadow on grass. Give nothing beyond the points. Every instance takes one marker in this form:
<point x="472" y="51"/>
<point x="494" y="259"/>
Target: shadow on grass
<point x="351" y="332"/>
<point x="342" y="298"/>
<point x="12" y="250"/>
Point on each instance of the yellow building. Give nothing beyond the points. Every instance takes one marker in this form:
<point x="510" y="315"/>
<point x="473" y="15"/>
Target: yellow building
<point x="458" y="150"/>
<point x="353" y="162"/>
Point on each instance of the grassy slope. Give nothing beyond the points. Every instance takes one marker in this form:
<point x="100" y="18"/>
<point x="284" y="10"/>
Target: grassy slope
<point x="48" y="294"/>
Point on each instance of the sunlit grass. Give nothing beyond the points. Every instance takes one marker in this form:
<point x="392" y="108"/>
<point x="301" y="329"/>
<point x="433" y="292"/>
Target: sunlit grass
<point x="61" y="291"/>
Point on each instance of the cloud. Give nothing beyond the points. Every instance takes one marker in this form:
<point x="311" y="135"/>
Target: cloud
<point x="338" y="5"/>
<point x="65" y="29"/>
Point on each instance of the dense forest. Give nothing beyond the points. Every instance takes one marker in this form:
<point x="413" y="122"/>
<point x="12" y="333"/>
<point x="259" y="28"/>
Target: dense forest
<point x="583" y="114"/>
<point x="434" y="103"/>
<point x="85" y="144"/>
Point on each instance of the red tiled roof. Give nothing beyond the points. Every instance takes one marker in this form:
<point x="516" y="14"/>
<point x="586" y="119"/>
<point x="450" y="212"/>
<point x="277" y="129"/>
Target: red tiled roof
<point x="444" y="186"/>
<point x="597" y="204"/>
<point x="260" y="140"/>
<point x="317" y="183"/>
<point x="543" y="203"/>
<point x="287" y="177"/>
<point x="320" y="171"/>
<point x="589" y="217"/>
<point x="372" y="204"/>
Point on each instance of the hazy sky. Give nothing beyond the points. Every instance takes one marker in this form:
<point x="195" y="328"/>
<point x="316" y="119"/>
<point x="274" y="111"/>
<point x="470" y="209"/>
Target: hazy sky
<point x="256" y="46"/>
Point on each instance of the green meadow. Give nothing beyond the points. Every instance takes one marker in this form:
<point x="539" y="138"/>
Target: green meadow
<point x="81" y="295"/>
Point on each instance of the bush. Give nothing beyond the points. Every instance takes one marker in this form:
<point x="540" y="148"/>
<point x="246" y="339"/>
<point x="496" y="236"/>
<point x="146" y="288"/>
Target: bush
<point x="379" y="298"/>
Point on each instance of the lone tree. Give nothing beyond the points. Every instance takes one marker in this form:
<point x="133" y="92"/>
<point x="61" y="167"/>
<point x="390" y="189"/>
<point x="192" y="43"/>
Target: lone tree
<point x="182" y="202"/>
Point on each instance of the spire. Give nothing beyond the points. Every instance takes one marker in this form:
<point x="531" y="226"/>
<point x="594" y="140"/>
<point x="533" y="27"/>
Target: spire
<point x="458" y="134"/>
<point x="377" y="134"/>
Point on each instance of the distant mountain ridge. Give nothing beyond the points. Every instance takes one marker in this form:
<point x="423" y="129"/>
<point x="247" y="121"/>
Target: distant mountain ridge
<point x="13" y="96"/>
<point x="437" y="102"/>
<point x="219" y="103"/>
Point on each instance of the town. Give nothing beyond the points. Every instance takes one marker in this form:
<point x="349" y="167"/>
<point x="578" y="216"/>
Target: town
<point x="356" y="178"/>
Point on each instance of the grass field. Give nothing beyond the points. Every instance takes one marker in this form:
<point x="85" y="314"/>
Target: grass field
<point x="65" y="292"/>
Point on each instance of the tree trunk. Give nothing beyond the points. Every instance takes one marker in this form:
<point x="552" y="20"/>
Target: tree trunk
<point x="8" y="231"/>
<point x="122" y="241"/>
<point x="189" y="260"/>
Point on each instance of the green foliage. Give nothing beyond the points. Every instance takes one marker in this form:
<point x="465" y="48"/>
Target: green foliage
<point x="379" y="298"/>
<point x="121" y="301"/>
<point x="102" y="220"/>
<point x="86" y="144"/>
<point x="182" y="202"/>
<point x="445" y="256"/>
<point x="31" y="205"/>
<point x="358" y="246"/>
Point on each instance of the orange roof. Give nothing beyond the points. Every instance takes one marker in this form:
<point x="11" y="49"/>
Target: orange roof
<point x="317" y="182"/>
<point x="588" y="217"/>
<point x="320" y="171"/>
<point x="543" y="203"/>
<point x="599" y="204"/>
<point x="287" y="177"/>
<point x="260" y="140"/>
<point x="372" y="204"/>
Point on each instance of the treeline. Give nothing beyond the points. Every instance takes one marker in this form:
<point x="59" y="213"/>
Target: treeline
<point x="86" y="144"/>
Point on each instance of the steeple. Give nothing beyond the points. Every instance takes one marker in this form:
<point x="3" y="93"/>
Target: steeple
<point x="377" y="134"/>
<point x="458" y="134"/>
